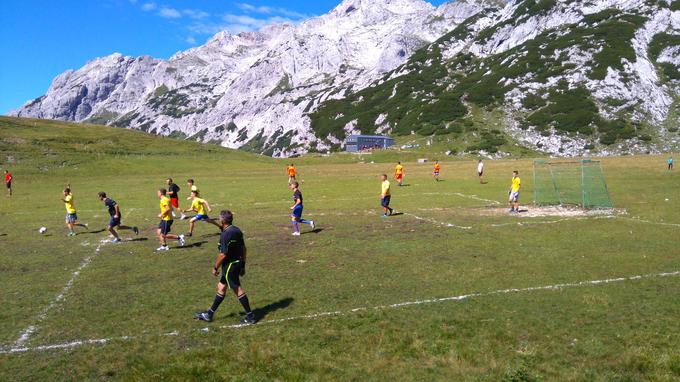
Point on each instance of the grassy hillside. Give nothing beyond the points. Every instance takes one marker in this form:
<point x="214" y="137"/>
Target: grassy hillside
<point x="329" y="301"/>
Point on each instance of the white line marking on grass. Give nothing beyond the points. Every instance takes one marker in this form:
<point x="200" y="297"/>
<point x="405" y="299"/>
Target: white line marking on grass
<point x="26" y="333"/>
<point x="443" y="224"/>
<point x="648" y="221"/>
<point x="474" y="197"/>
<point x="588" y="283"/>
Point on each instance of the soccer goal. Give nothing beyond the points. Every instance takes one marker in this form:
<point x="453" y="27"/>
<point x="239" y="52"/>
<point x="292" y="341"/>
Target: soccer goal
<point x="577" y="183"/>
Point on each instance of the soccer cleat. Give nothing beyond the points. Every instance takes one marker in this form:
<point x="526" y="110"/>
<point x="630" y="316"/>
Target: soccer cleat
<point x="181" y="240"/>
<point x="162" y="248"/>
<point x="187" y="234"/>
<point x="71" y="234"/>
<point x="182" y="217"/>
<point x="203" y="316"/>
<point x="249" y="319"/>
<point x="296" y="233"/>
<point x="135" y="230"/>
<point x="311" y="223"/>
<point x="116" y="240"/>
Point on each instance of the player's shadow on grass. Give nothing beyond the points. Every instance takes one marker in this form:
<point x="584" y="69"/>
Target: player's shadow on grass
<point x="263" y="311"/>
<point x="524" y="210"/>
<point x="139" y="239"/>
<point x="404" y="185"/>
<point x="91" y="232"/>
<point x="212" y="234"/>
<point x="397" y="214"/>
<point x="315" y="230"/>
<point x="193" y="245"/>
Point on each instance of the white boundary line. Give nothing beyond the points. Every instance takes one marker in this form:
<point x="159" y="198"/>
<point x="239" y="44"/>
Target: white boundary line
<point x="26" y="333"/>
<point x="437" y="222"/>
<point x="553" y="287"/>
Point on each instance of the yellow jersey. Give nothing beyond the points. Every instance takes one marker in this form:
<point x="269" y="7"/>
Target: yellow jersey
<point x="198" y="205"/>
<point x="68" y="202"/>
<point x="516" y="182"/>
<point x="165" y="203"/>
<point x="436" y="167"/>
<point x="291" y="171"/>
<point x="386" y="188"/>
<point x="399" y="169"/>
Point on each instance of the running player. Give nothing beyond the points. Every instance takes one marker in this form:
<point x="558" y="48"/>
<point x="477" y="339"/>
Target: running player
<point x="296" y="215"/>
<point x="115" y="220"/>
<point x="291" y="173"/>
<point x="437" y="167"/>
<point x="232" y="260"/>
<point x="71" y="215"/>
<point x="166" y="222"/>
<point x="173" y="194"/>
<point x="200" y="206"/>
<point x="513" y="200"/>
<point x="480" y="171"/>
<point x="8" y="182"/>
<point x="385" y="196"/>
<point x="399" y="173"/>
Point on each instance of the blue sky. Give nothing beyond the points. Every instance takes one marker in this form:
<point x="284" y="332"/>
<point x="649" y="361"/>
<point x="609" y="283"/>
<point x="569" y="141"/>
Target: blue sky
<point x="40" y="39"/>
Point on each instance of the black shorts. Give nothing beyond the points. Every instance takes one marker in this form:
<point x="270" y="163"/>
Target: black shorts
<point x="385" y="202"/>
<point x="230" y="274"/>
<point x="480" y="173"/>
<point x="8" y="184"/>
<point x="165" y="226"/>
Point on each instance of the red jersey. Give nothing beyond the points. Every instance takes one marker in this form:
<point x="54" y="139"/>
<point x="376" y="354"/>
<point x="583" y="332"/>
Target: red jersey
<point x="8" y="177"/>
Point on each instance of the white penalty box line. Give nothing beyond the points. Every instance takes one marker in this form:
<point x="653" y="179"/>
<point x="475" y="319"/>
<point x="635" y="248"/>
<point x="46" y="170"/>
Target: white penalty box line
<point x="553" y="287"/>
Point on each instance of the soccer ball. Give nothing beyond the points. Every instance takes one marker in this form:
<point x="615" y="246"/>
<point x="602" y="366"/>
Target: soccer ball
<point x="42" y="230"/>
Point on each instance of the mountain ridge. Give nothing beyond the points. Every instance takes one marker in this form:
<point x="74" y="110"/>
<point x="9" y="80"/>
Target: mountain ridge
<point x="273" y="91"/>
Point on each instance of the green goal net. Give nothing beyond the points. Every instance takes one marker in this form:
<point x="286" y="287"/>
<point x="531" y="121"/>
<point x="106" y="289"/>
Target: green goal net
<point x="576" y="183"/>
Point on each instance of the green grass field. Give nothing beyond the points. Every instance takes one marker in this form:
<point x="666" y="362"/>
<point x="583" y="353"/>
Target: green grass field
<point x="133" y="307"/>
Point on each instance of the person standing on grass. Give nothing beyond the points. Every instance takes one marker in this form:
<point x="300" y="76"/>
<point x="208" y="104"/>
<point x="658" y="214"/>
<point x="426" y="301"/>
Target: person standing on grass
<point x="166" y="222"/>
<point x="399" y="173"/>
<point x="232" y="261"/>
<point x="385" y="196"/>
<point x="291" y="173"/>
<point x="296" y="215"/>
<point x="71" y="214"/>
<point x="513" y="198"/>
<point x="8" y="182"/>
<point x="173" y="194"/>
<point x="437" y="167"/>
<point x="201" y="207"/>
<point x="670" y="163"/>
<point x="480" y="171"/>
<point x="115" y="220"/>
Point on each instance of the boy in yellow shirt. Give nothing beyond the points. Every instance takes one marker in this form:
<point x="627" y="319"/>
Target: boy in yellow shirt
<point x="385" y="196"/>
<point x="513" y="198"/>
<point x="437" y="167"/>
<point x="201" y="207"/>
<point x="166" y="222"/>
<point x="71" y="214"/>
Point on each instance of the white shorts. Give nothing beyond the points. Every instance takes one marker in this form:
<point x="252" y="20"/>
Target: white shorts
<point x="514" y="196"/>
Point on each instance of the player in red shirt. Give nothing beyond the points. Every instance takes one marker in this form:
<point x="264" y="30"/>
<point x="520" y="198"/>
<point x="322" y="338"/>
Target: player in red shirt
<point x="8" y="182"/>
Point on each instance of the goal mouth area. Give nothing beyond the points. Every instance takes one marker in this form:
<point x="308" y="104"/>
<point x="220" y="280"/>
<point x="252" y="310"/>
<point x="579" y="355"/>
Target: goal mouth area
<point x="578" y="183"/>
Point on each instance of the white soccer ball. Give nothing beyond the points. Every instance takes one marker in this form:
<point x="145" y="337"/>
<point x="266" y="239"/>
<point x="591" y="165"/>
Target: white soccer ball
<point x="42" y="229"/>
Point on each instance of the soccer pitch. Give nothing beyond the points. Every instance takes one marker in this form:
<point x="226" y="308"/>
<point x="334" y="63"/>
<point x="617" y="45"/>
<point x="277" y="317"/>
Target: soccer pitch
<point x="453" y="288"/>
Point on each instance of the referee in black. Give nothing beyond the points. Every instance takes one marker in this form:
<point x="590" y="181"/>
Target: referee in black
<point x="232" y="260"/>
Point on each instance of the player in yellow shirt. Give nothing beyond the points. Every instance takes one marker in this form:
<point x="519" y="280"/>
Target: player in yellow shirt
<point x="166" y="222"/>
<point x="71" y="214"/>
<point x="399" y="173"/>
<point x="437" y="167"/>
<point x="513" y="199"/>
<point x="385" y="196"/>
<point x="201" y="207"/>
